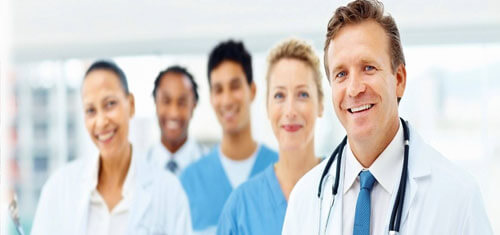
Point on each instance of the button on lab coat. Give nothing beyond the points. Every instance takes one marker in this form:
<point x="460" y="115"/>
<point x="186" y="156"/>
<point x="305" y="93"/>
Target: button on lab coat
<point x="440" y="198"/>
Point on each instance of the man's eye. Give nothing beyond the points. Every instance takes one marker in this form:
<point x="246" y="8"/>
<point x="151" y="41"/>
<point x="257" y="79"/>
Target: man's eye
<point x="217" y="90"/>
<point x="235" y="86"/>
<point x="110" y="103"/>
<point x="369" y="68"/>
<point x="182" y="102"/>
<point x="90" y="111"/>
<point x="341" y="74"/>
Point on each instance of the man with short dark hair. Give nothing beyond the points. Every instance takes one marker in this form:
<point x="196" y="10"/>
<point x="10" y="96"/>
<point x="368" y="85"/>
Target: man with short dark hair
<point x="175" y="94"/>
<point x="209" y="181"/>
<point x="383" y="178"/>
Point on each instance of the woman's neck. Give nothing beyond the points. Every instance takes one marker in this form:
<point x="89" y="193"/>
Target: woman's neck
<point x="113" y="169"/>
<point x="292" y="165"/>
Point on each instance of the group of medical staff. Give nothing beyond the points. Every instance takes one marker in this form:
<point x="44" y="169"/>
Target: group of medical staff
<point x="382" y="179"/>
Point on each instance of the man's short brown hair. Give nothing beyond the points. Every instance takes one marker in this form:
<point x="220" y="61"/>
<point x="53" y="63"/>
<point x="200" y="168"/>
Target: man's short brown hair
<point x="363" y="10"/>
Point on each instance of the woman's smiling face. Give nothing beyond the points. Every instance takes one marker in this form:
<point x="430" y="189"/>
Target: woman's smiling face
<point x="107" y="111"/>
<point x="292" y="103"/>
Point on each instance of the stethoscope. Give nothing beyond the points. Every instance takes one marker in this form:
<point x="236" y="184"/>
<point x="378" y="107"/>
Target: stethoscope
<point x="397" y="209"/>
<point x="13" y="212"/>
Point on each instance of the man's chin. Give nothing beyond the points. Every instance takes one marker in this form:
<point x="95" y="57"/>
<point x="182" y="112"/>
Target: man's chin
<point x="231" y="130"/>
<point x="174" y="138"/>
<point x="360" y="132"/>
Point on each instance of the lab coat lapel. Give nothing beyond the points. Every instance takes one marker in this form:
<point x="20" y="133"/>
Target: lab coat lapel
<point x="336" y="218"/>
<point x="418" y="171"/>
<point x="338" y="213"/>
<point x="83" y="194"/>
<point x="142" y="194"/>
<point x="82" y="212"/>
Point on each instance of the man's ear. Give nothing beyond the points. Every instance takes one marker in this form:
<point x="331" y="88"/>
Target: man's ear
<point x="253" y="90"/>
<point x="400" y="81"/>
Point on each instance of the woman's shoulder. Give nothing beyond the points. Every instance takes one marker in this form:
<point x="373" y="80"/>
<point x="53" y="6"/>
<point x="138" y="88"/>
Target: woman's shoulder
<point x="67" y="174"/>
<point x="253" y="189"/>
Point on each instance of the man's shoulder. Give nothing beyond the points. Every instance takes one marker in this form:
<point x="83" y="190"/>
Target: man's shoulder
<point x="266" y="150"/>
<point x="197" y="168"/>
<point x="442" y="169"/>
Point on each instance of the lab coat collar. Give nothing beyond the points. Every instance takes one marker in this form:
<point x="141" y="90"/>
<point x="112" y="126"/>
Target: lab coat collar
<point x="419" y="170"/>
<point x="91" y="174"/>
<point x="142" y="191"/>
<point x="139" y="173"/>
<point x="419" y="159"/>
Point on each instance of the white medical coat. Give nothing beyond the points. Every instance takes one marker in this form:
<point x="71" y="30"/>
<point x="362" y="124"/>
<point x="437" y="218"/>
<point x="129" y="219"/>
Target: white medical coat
<point x="440" y="198"/>
<point x="159" y="205"/>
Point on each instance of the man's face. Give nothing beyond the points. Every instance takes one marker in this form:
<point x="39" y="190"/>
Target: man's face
<point x="364" y="87"/>
<point x="231" y="96"/>
<point x="175" y="103"/>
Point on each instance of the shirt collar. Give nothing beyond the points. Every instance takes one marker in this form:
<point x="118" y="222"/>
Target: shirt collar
<point x="385" y="169"/>
<point x="183" y="149"/>
<point x="163" y="151"/>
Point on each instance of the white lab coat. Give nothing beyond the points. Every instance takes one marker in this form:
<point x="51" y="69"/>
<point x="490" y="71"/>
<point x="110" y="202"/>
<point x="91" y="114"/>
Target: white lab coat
<point x="159" y="204"/>
<point x="440" y="198"/>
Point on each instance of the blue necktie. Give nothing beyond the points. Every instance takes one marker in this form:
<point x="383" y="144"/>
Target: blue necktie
<point x="363" y="205"/>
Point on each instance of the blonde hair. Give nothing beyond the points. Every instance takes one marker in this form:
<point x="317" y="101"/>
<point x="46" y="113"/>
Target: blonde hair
<point x="295" y="49"/>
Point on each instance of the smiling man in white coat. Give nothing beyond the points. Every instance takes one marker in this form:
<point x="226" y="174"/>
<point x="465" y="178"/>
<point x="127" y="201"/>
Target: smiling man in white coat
<point x="388" y="178"/>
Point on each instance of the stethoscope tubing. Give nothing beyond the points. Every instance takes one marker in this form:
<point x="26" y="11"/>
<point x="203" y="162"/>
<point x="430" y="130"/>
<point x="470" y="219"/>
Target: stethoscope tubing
<point x="397" y="209"/>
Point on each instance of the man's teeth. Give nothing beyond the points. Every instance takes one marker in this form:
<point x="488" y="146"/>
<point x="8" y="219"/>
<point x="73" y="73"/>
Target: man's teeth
<point x="361" y="108"/>
<point x="229" y="114"/>
<point x="106" y="136"/>
<point x="173" y="124"/>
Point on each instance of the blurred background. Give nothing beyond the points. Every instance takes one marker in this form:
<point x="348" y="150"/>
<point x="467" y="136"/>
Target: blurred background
<point x="452" y="49"/>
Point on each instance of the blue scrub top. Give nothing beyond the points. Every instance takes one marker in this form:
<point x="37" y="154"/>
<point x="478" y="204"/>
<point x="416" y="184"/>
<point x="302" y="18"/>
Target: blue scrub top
<point x="208" y="187"/>
<point x="258" y="206"/>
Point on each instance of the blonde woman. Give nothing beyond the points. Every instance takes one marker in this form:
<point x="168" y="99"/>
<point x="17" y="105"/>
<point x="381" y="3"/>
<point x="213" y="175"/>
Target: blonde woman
<point x="116" y="192"/>
<point x="294" y="101"/>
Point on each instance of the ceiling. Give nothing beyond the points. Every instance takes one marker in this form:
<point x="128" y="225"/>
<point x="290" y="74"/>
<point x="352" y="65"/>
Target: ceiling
<point x="58" y="29"/>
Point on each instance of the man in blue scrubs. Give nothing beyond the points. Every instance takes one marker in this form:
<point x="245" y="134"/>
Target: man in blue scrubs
<point x="209" y="181"/>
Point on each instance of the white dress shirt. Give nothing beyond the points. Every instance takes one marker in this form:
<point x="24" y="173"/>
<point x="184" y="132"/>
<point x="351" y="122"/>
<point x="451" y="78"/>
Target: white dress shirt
<point x="238" y="171"/>
<point x="102" y="221"/>
<point x="387" y="170"/>
<point x="189" y="152"/>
